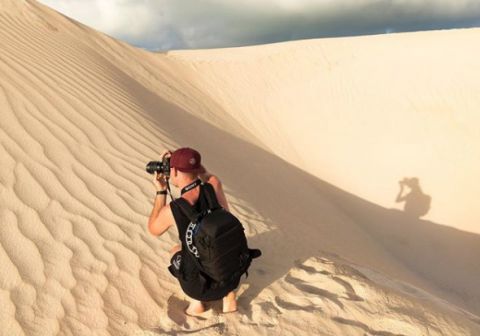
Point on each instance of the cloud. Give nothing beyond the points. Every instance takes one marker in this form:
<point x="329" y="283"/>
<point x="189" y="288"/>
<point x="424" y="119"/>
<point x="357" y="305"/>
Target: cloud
<point x="179" y="24"/>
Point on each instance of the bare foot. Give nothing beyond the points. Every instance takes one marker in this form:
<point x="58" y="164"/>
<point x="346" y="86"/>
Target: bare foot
<point x="195" y="308"/>
<point x="230" y="303"/>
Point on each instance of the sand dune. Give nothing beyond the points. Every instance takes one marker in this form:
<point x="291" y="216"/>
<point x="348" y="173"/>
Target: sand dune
<point x="362" y="112"/>
<point x="81" y="114"/>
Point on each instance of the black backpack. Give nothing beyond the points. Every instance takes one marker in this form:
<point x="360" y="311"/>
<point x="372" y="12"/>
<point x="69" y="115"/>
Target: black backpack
<point x="216" y="239"/>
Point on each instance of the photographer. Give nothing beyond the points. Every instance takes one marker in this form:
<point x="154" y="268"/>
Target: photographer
<point x="186" y="172"/>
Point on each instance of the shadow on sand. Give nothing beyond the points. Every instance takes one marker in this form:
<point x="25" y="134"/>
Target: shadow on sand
<point x="417" y="203"/>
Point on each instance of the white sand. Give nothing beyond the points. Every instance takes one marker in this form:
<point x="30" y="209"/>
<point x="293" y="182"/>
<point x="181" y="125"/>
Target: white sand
<point x="81" y="114"/>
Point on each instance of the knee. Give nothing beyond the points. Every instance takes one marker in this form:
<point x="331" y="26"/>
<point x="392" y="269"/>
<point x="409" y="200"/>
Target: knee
<point x="175" y="249"/>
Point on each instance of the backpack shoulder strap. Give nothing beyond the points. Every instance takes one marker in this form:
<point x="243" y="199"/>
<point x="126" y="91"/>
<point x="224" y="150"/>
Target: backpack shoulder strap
<point x="187" y="209"/>
<point x="211" y="196"/>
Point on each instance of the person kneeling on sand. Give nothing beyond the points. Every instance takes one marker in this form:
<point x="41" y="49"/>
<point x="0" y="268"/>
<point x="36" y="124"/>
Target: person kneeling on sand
<point x="206" y="272"/>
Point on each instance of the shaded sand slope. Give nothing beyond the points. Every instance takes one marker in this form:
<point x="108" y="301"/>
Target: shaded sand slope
<point x="362" y="112"/>
<point x="81" y="114"/>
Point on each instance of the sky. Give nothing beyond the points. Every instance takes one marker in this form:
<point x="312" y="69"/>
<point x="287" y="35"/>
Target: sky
<point x="199" y="24"/>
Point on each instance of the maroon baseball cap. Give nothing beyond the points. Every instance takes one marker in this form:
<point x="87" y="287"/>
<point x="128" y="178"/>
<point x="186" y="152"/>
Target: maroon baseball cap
<point x="187" y="160"/>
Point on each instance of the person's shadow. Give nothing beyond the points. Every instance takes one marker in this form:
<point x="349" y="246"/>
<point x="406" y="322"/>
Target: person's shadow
<point x="417" y="203"/>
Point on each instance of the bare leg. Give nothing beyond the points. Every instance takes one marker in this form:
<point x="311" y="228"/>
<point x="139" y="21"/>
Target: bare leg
<point x="230" y="303"/>
<point x="175" y="249"/>
<point x="195" y="307"/>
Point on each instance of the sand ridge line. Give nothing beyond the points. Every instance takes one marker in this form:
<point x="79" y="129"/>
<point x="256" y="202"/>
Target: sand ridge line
<point x="100" y="71"/>
<point x="109" y="123"/>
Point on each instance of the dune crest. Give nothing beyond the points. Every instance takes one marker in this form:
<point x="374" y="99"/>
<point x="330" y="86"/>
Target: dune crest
<point x="81" y="114"/>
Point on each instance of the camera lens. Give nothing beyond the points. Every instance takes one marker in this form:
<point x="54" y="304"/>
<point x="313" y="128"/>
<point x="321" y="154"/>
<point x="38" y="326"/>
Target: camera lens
<point x="154" y="166"/>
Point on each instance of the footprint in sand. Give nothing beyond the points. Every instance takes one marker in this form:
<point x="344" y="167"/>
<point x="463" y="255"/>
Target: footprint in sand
<point x="318" y="282"/>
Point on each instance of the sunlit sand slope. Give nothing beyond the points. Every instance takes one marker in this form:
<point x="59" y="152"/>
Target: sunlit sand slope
<point x="363" y="112"/>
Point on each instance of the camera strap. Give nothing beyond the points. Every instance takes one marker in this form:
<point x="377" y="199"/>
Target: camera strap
<point x="187" y="188"/>
<point x="170" y="191"/>
<point x="191" y="186"/>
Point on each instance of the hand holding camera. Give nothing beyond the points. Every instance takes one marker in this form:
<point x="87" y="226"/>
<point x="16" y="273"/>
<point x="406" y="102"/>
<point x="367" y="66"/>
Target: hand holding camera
<point x="161" y="170"/>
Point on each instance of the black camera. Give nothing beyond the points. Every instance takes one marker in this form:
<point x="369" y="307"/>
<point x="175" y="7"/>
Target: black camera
<point x="162" y="167"/>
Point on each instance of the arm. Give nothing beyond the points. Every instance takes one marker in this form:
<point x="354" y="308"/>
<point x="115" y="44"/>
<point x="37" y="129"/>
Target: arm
<point x="400" y="198"/>
<point x="217" y="185"/>
<point x="161" y="217"/>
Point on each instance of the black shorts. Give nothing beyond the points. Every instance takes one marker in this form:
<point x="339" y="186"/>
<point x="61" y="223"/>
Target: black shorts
<point x="175" y="263"/>
<point x="194" y="283"/>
